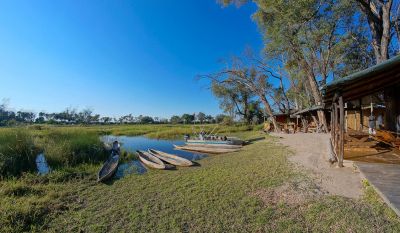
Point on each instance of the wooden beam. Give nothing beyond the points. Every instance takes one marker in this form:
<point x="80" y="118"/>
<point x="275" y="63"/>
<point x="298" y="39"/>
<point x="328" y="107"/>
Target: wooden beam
<point x="361" y="117"/>
<point x="336" y="128"/>
<point x="341" y="132"/>
<point x="356" y="89"/>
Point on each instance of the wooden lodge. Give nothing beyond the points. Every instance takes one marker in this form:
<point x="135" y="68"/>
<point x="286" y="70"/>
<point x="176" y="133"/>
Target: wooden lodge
<point x="307" y="119"/>
<point x="352" y="100"/>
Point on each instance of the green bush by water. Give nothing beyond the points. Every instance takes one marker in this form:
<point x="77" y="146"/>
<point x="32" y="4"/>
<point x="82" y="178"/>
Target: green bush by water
<point x="17" y="153"/>
<point x="72" y="147"/>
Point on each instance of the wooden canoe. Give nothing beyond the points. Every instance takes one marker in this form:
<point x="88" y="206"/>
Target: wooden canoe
<point x="222" y="146"/>
<point x="150" y="160"/>
<point x="170" y="158"/>
<point x="205" y="149"/>
<point x="108" y="169"/>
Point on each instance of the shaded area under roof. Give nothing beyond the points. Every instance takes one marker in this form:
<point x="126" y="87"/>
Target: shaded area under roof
<point x="306" y="110"/>
<point x="364" y="82"/>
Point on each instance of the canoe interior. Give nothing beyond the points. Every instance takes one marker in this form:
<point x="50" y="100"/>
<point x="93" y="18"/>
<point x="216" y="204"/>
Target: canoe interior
<point x="151" y="160"/>
<point x="109" y="168"/>
<point x="170" y="158"/>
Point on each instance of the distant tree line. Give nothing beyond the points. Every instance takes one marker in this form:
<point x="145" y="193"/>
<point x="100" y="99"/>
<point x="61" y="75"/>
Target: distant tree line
<point x="86" y="116"/>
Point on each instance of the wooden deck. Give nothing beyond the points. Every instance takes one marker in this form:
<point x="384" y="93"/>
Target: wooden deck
<point x="385" y="178"/>
<point x="359" y="148"/>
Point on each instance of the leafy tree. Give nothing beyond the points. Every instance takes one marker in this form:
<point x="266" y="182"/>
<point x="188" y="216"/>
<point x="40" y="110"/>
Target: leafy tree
<point x="201" y="117"/>
<point x="187" y="118"/>
<point x="28" y="117"/>
<point x="246" y="74"/>
<point x="146" y="120"/>
<point x="219" y="118"/>
<point x="175" y="120"/>
<point x="234" y="97"/>
<point x="106" y="119"/>
<point x="315" y="37"/>
<point x="210" y="119"/>
<point x="85" y="115"/>
<point x="95" y="118"/>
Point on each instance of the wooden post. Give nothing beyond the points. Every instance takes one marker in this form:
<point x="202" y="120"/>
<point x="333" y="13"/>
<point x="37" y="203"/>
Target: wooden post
<point x="341" y="132"/>
<point x="345" y="121"/>
<point x="331" y="121"/>
<point x="391" y="102"/>
<point x="336" y="128"/>
<point x="361" y="117"/>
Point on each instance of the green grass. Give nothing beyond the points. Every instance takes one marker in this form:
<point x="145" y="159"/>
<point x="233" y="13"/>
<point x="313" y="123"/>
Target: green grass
<point x="63" y="147"/>
<point x="66" y="146"/>
<point x="17" y="153"/>
<point x="216" y="196"/>
<point x="71" y="147"/>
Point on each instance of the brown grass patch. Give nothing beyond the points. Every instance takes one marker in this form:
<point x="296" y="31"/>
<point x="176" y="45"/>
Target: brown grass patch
<point x="294" y="193"/>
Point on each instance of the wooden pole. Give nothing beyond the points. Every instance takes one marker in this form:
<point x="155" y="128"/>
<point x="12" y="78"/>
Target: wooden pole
<point x="341" y="132"/>
<point x="331" y="122"/>
<point x="336" y="128"/>
<point x="361" y="117"/>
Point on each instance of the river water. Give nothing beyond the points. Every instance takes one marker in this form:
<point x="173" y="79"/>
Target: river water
<point x="131" y="144"/>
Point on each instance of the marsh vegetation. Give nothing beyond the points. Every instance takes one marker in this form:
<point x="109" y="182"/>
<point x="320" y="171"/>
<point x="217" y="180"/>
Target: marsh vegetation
<point x="228" y="192"/>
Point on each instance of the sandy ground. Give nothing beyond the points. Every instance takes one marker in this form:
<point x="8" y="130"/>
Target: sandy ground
<point x="311" y="152"/>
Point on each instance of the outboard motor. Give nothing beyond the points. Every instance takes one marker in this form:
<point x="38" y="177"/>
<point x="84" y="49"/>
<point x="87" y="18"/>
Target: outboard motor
<point x="116" y="149"/>
<point x="186" y="137"/>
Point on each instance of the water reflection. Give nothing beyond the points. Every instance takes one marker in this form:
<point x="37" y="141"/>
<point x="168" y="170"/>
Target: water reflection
<point x="132" y="144"/>
<point x="41" y="164"/>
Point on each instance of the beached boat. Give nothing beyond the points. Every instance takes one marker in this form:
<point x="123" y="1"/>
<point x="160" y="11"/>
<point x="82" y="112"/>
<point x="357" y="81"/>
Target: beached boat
<point x="215" y="142"/>
<point x="222" y="146"/>
<point x="109" y="168"/>
<point x="150" y="160"/>
<point x="170" y="158"/>
<point x="205" y="149"/>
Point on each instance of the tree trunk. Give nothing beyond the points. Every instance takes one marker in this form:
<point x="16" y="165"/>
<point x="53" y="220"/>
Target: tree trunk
<point x="379" y="24"/>
<point x="316" y="95"/>
<point x="268" y="109"/>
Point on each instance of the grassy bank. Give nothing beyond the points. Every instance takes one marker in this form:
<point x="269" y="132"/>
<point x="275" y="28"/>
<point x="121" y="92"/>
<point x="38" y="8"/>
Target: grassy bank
<point x="237" y="192"/>
<point x="63" y="147"/>
<point x="17" y="152"/>
<point x="66" y="146"/>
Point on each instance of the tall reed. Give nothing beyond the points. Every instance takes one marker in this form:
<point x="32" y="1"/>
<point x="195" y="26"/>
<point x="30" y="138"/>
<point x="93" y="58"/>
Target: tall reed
<point x="17" y="152"/>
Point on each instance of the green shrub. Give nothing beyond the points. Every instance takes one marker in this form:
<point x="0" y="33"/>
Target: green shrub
<point x="17" y="153"/>
<point x="72" y="147"/>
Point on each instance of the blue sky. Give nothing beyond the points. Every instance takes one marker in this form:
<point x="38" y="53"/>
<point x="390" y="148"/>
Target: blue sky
<point x="118" y="57"/>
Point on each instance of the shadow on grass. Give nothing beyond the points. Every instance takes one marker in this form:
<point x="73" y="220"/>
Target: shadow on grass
<point x="196" y="164"/>
<point x="250" y="141"/>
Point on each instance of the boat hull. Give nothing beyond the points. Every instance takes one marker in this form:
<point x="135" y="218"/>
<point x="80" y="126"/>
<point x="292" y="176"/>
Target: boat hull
<point x="222" y="146"/>
<point x="172" y="159"/>
<point x="215" y="142"/>
<point x="108" y="169"/>
<point x="150" y="160"/>
<point x="205" y="149"/>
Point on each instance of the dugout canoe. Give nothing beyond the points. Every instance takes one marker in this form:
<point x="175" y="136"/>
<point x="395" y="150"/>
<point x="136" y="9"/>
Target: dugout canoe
<point x="108" y="169"/>
<point x="170" y="158"/>
<point x="150" y="160"/>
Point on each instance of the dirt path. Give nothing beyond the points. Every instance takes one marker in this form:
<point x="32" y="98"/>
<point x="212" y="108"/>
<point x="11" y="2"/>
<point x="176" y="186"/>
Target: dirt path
<point x="311" y="152"/>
